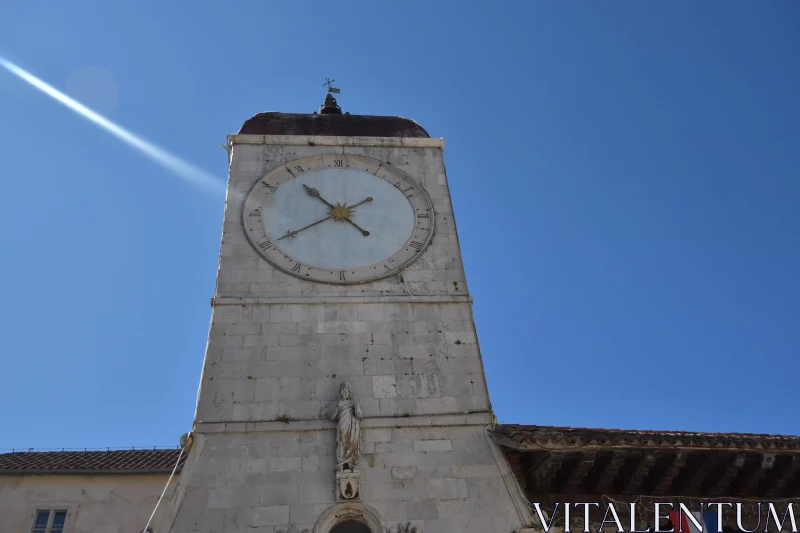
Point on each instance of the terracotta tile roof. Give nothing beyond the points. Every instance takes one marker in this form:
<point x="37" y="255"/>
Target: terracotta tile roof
<point x="555" y="438"/>
<point x="91" y="462"/>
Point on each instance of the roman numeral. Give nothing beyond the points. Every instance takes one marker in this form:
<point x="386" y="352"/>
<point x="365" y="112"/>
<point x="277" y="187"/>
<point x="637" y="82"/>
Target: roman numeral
<point x="341" y="276"/>
<point x="338" y="163"/>
<point x="255" y="213"/>
<point x="422" y="215"/>
<point x="298" y="168"/>
<point x="415" y="245"/>
<point x="268" y="186"/>
<point x="296" y="268"/>
<point x="408" y="189"/>
<point x="265" y="245"/>
<point x="387" y="268"/>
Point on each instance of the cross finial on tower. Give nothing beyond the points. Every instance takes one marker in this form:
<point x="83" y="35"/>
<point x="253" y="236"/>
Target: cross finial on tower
<point x="331" y="88"/>
<point x="330" y="107"/>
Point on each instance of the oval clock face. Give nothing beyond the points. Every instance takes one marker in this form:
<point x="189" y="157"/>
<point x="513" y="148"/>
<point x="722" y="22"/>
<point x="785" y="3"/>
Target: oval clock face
<point x="338" y="219"/>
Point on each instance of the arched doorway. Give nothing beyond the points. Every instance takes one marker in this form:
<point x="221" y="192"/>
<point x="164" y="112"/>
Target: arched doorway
<point x="350" y="518"/>
<point x="350" y="526"/>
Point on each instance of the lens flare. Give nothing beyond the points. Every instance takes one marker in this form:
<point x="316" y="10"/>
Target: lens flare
<point x="187" y="172"/>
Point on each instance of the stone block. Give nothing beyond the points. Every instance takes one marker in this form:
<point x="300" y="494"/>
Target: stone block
<point x="280" y="313"/>
<point x="465" y="337"/>
<point x="371" y="312"/>
<point x="279" y="328"/>
<point x="446" y="404"/>
<point x="426" y="386"/>
<point x="310" y="463"/>
<point x="378" y="435"/>
<point x="422" y="510"/>
<point x="485" y="487"/>
<point x="316" y="493"/>
<point x="447" y="489"/>
<point x="283" y="464"/>
<point x="384" y="387"/>
<point x="274" y="495"/>
<point x="428" y="312"/>
<point x="301" y="313"/>
<point x="342" y="327"/>
<point x="371" y="367"/>
<point x="220" y="497"/>
<point x="404" y="472"/>
<point x="272" y="515"/>
<point x="241" y="354"/>
<point x="442" y="445"/>
<point x="476" y="470"/>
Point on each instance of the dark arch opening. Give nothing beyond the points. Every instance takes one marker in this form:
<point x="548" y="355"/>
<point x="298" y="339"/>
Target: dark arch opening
<point x="350" y="526"/>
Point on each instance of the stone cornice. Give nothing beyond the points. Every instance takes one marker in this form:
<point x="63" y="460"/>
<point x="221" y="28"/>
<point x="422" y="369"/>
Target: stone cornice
<point x="320" y="140"/>
<point x="484" y="418"/>
<point x="311" y="300"/>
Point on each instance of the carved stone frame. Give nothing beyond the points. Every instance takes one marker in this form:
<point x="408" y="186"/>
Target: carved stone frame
<point x="350" y="511"/>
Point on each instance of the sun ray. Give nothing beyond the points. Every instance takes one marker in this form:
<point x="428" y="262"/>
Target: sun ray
<point x="186" y="171"/>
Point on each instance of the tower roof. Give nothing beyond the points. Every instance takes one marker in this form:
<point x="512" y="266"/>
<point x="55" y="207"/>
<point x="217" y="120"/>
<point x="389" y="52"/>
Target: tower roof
<point x="272" y="123"/>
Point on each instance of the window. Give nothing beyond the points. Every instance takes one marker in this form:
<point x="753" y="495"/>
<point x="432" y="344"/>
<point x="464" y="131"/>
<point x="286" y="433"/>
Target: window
<point x="49" y="521"/>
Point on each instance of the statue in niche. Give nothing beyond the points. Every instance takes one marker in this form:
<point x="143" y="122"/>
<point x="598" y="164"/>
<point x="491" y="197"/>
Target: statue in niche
<point x="347" y="415"/>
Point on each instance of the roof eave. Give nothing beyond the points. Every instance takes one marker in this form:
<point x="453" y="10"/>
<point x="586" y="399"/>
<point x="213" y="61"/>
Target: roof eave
<point x="89" y="472"/>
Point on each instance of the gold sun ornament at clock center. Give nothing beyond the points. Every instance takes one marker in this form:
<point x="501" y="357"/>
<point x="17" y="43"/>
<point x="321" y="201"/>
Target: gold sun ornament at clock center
<point x="341" y="212"/>
<point x="338" y="212"/>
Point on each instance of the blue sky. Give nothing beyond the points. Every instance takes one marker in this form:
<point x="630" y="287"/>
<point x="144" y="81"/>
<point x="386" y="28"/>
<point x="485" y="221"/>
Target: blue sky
<point x="624" y="175"/>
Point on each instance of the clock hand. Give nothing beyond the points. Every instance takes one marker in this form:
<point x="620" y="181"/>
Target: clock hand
<point x="315" y="193"/>
<point x="364" y="232"/>
<point x="369" y="199"/>
<point x="293" y="233"/>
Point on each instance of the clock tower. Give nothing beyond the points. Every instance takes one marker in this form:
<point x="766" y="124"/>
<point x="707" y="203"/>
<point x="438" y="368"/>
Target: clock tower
<point x="342" y="388"/>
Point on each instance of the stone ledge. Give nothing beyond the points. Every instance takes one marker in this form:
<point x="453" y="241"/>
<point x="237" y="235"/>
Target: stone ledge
<point x="325" y="140"/>
<point x="311" y="300"/>
<point x="485" y="418"/>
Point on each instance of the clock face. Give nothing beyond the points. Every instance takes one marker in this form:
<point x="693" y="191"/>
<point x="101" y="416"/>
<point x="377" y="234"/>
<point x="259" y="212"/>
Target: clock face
<point x="338" y="219"/>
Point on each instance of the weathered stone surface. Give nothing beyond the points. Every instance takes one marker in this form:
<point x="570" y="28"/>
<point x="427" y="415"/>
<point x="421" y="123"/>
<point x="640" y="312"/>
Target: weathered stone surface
<point x="433" y="446"/>
<point x="404" y="472"/>
<point x="279" y="348"/>
<point x="272" y="515"/>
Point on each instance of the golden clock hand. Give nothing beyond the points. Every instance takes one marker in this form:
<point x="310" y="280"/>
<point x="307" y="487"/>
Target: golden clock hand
<point x="315" y="194"/>
<point x="293" y="233"/>
<point x="364" y="232"/>
<point x="369" y="199"/>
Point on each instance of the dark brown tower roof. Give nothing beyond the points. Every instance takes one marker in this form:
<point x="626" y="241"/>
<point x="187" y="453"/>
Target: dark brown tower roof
<point x="272" y="123"/>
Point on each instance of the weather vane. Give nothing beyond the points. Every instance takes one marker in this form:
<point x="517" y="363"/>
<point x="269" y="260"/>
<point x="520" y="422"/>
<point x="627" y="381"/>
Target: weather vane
<point x="331" y="88"/>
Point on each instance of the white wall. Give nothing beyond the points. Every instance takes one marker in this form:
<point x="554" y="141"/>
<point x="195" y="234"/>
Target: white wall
<point x="97" y="504"/>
